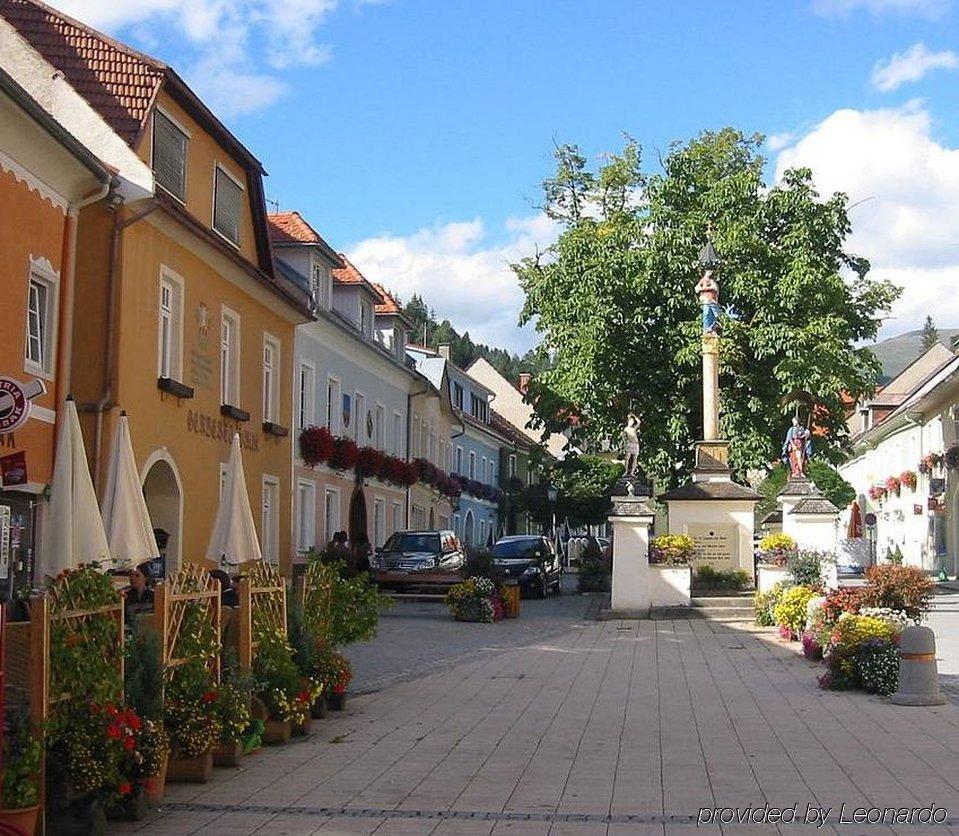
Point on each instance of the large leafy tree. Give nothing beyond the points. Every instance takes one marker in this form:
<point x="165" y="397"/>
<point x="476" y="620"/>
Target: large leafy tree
<point x="614" y="300"/>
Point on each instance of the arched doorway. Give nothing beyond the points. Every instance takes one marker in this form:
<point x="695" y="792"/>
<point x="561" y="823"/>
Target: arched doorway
<point x="468" y="533"/>
<point x="358" y="524"/>
<point x="164" y="498"/>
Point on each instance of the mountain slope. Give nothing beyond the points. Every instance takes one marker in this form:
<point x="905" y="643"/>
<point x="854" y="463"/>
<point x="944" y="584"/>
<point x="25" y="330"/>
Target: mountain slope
<point x="898" y="352"/>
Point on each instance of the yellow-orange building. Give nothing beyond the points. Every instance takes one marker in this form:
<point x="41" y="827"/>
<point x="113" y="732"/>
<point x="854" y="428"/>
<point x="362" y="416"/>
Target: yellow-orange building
<point x="180" y="318"/>
<point x="45" y="177"/>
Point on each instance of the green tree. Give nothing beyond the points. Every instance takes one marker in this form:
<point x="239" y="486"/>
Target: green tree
<point x="614" y="299"/>
<point x="930" y="334"/>
<point x="584" y="485"/>
<point x="825" y="477"/>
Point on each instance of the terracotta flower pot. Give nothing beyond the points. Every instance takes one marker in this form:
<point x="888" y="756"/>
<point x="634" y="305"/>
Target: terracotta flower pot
<point x="25" y="818"/>
<point x="318" y="709"/>
<point x="155" y="785"/>
<point x="277" y="732"/>
<point x="336" y="700"/>
<point x="191" y="770"/>
<point x="228" y="754"/>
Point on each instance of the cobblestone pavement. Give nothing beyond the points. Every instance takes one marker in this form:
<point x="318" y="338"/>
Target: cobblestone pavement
<point x="944" y="620"/>
<point x="614" y="728"/>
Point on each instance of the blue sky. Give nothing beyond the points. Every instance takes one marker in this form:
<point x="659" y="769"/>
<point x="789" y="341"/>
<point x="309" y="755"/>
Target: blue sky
<point x="414" y="133"/>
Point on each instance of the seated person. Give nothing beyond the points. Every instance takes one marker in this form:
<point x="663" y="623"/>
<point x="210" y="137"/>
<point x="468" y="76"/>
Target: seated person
<point x="228" y="592"/>
<point x="138" y="597"/>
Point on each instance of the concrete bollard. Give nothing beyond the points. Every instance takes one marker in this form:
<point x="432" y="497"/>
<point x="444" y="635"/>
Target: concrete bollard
<point x="918" y="674"/>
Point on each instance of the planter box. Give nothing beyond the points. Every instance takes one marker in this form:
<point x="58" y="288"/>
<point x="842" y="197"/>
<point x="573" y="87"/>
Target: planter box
<point x="190" y="770"/>
<point x="669" y="585"/>
<point x="228" y="754"/>
<point x="25" y="818"/>
<point x="318" y="709"/>
<point x="155" y="785"/>
<point x="768" y="576"/>
<point x="133" y="808"/>
<point x="277" y="732"/>
<point x="82" y="819"/>
<point x="335" y="701"/>
<point x="303" y="729"/>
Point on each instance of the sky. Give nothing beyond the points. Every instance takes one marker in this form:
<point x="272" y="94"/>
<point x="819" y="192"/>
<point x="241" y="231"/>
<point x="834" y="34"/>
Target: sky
<point x="414" y="134"/>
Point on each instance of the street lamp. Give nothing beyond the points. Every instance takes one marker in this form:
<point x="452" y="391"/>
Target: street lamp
<point x="552" y="494"/>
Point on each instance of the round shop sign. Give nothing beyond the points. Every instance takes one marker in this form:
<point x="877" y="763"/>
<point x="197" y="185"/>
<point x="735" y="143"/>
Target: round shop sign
<point x="15" y="402"/>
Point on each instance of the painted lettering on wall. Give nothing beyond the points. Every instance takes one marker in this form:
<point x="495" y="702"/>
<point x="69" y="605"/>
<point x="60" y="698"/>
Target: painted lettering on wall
<point x="219" y="428"/>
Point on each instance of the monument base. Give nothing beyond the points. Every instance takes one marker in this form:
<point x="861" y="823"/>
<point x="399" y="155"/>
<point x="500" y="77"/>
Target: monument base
<point x="631" y="520"/>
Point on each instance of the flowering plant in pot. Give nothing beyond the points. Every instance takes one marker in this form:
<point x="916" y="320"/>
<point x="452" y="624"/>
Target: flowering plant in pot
<point x="338" y="677"/>
<point x="929" y="463"/>
<point x="20" y="795"/>
<point x="276" y="681"/>
<point x="192" y="721"/>
<point x="877" y="493"/>
<point x="316" y="445"/>
<point x="789" y="612"/>
<point x="893" y="485"/>
<point x="471" y="600"/>
<point x="232" y="706"/>
<point x="672" y="549"/>
<point x="776" y="549"/>
<point x="909" y="479"/>
<point x="143" y="685"/>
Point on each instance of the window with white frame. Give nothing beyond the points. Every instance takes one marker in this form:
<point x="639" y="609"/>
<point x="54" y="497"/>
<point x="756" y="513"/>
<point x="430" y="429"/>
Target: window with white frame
<point x="269" y="520"/>
<point x="333" y="405"/>
<point x="306" y="397"/>
<point x="397" y="516"/>
<point x="271" y="378"/>
<point x="397" y="435"/>
<point x="472" y="465"/>
<point x="230" y="358"/>
<point x="41" y="321"/>
<point x="483" y="469"/>
<point x="491" y="473"/>
<point x="379" y="522"/>
<point x="169" y="154"/>
<point x="305" y="515"/>
<point x="362" y="434"/>
<point x="457" y="395"/>
<point x="227" y="205"/>
<point x="331" y="513"/>
<point x="170" y="327"/>
<point x="459" y="460"/>
<point x="321" y="284"/>
<point x="379" y="428"/>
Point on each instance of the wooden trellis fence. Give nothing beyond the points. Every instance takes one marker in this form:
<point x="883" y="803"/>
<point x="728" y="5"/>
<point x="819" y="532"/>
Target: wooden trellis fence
<point x="184" y="603"/>
<point x="262" y="594"/>
<point x="314" y="591"/>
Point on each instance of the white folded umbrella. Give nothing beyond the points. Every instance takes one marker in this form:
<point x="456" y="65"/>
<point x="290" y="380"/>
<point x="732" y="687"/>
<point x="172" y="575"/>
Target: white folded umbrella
<point x="72" y="526"/>
<point x="234" y="539"/>
<point x="125" y="515"/>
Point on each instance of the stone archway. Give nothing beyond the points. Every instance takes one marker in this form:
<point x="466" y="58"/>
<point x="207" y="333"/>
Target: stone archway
<point x="163" y="492"/>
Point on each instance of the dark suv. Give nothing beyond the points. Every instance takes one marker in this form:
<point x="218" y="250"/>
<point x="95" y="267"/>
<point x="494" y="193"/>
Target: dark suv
<point x="531" y="560"/>
<point x="419" y="551"/>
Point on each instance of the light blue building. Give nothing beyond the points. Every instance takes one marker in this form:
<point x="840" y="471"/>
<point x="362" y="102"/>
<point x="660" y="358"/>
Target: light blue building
<point x="474" y="450"/>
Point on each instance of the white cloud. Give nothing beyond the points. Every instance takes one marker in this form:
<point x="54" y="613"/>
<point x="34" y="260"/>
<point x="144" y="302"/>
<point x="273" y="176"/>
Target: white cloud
<point x="461" y="273"/>
<point x="230" y="50"/>
<point x="904" y="187"/>
<point x="776" y="142"/>
<point x="910" y="66"/>
<point x="930" y="9"/>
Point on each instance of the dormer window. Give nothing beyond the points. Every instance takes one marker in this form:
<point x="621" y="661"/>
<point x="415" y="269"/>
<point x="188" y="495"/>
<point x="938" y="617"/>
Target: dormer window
<point x="169" y="155"/>
<point x="366" y="318"/>
<point x="321" y="284"/>
<point x="227" y="200"/>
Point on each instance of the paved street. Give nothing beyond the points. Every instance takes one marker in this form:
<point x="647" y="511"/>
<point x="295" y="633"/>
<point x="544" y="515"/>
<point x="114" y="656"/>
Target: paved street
<point x="944" y="619"/>
<point x="602" y="728"/>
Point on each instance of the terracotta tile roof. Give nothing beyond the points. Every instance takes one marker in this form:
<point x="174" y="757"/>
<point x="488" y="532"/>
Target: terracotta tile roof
<point x="387" y="304"/>
<point x="119" y="82"/>
<point x="348" y="274"/>
<point x="292" y="228"/>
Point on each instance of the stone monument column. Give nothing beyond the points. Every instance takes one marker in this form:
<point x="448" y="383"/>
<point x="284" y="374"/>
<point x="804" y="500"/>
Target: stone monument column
<point x="631" y="520"/>
<point x="710" y="387"/>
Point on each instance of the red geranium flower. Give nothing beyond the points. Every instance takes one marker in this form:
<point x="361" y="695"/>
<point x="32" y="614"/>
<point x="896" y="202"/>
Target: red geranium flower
<point x="114" y="731"/>
<point x="125" y="788"/>
<point x="208" y="697"/>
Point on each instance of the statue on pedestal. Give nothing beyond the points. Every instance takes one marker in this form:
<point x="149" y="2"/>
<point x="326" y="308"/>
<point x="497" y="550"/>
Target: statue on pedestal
<point x="797" y="448"/>
<point x="708" y="290"/>
<point x="630" y="435"/>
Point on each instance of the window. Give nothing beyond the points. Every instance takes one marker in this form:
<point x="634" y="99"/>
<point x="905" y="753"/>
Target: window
<point x="379" y="430"/>
<point x="511" y="466"/>
<point x="362" y="426"/>
<point x="397" y="516"/>
<point x="479" y="408"/>
<point x="458" y="395"/>
<point x="169" y="155"/>
<point x="472" y="465"/>
<point x="459" y="460"/>
<point x="170" y="328"/>
<point x="306" y="397"/>
<point x="415" y="436"/>
<point x="379" y="522"/>
<point x="227" y="205"/>
<point x="331" y="513"/>
<point x="366" y="318"/>
<point x="41" y="322"/>
<point x="230" y="358"/>
<point x="398" y="435"/>
<point x="321" y="284"/>
<point x="333" y="405"/>
<point x="271" y="378"/>
<point x="305" y="515"/>
<point x="484" y="469"/>
<point x="269" y="528"/>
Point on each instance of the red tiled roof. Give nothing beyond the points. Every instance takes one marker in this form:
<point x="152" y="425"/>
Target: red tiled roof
<point x="119" y="82"/>
<point x="348" y="274"/>
<point x="387" y="304"/>
<point x="290" y="228"/>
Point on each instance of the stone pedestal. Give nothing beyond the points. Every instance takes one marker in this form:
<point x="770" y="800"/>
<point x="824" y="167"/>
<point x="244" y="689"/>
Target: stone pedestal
<point x="631" y="519"/>
<point x="812" y="521"/>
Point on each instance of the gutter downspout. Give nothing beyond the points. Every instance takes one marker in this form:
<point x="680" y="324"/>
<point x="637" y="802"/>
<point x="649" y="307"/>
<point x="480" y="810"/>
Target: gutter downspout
<point x="105" y="401"/>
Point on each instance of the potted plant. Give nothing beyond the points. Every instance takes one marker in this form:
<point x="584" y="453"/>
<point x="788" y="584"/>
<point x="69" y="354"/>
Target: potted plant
<point x="154" y="748"/>
<point x="143" y="686"/>
<point x="277" y="684"/>
<point x="192" y="721"/>
<point x="472" y="600"/>
<point x="232" y="706"/>
<point x="670" y="556"/>
<point x="339" y="675"/>
<point x="909" y="479"/>
<point x="306" y="652"/>
<point x="20" y="797"/>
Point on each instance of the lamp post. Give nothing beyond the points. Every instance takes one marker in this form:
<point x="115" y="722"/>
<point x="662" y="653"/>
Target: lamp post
<point x="552" y="494"/>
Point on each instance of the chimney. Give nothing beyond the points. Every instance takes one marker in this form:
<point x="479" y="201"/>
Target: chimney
<point x="524" y="382"/>
<point x="445" y="350"/>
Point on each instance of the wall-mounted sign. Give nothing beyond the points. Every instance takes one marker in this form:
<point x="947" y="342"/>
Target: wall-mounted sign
<point x="15" y="402"/>
<point x="870" y="519"/>
<point x="220" y="429"/>
<point x="13" y="469"/>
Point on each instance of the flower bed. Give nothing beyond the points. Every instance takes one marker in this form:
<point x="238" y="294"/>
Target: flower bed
<point x="473" y="600"/>
<point x="776" y="549"/>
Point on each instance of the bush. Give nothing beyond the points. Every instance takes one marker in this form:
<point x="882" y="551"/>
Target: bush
<point x="790" y="611"/>
<point x="672" y="549"/>
<point x="903" y="588"/>
<point x="765" y="602"/>
<point x="594" y="569"/>
<point x="776" y="549"/>
<point x="806" y="567"/>
<point x="878" y="663"/>
<point x="711" y="578"/>
<point x="471" y="600"/>
<point x="851" y="632"/>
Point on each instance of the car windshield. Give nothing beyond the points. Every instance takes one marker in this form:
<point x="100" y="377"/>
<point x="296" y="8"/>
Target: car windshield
<point x="517" y="548"/>
<point x="413" y="543"/>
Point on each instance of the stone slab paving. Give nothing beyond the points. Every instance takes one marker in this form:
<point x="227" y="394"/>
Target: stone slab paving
<point x="618" y="727"/>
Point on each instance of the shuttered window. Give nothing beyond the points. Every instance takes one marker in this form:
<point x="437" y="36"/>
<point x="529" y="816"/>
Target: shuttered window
<point x="169" y="155"/>
<point x="226" y="206"/>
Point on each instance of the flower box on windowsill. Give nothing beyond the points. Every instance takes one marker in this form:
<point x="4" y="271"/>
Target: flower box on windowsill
<point x="275" y="429"/>
<point x="234" y="412"/>
<point x="174" y="387"/>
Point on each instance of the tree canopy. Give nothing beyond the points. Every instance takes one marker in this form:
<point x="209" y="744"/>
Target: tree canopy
<point x="614" y="299"/>
<point x="930" y="334"/>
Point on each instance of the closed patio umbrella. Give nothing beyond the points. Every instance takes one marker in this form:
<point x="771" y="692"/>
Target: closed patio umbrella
<point x="125" y="515"/>
<point x="234" y="539"/>
<point x="72" y="527"/>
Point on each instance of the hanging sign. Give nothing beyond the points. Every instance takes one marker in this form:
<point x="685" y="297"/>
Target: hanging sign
<point x="13" y="469"/>
<point x="15" y="402"/>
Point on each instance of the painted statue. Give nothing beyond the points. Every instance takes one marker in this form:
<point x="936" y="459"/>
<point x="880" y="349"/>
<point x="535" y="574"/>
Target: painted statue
<point x="797" y="448"/>
<point x="631" y="442"/>
<point x="708" y="290"/>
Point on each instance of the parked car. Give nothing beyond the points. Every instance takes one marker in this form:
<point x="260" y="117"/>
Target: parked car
<point x="531" y="560"/>
<point x="413" y="554"/>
